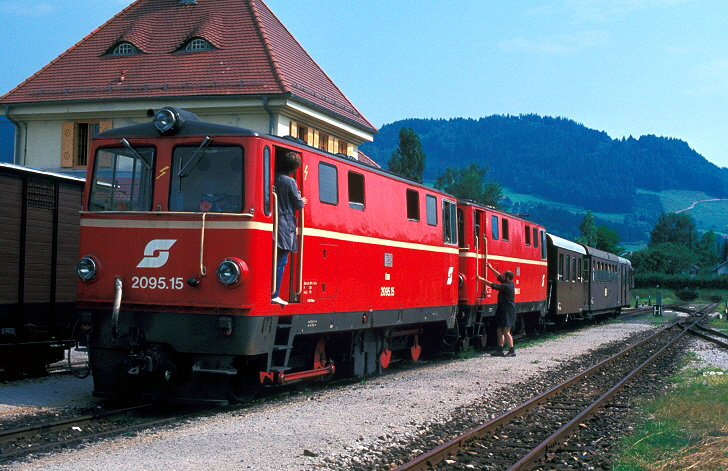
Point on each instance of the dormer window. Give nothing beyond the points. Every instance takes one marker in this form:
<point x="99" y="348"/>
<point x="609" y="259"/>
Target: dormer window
<point x="124" y="49"/>
<point x="197" y="44"/>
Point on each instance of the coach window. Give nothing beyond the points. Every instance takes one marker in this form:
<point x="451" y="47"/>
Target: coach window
<point x="449" y="223"/>
<point x="578" y="271"/>
<point x="356" y="191"/>
<point x="573" y="269"/>
<point x="585" y="272"/>
<point x="207" y="179"/>
<point x="266" y="181"/>
<point x="494" y="227"/>
<point x="567" y="268"/>
<point x="431" y="208"/>
<point x="413" y="205"/>
<point x="328" y="184"/>
<point x="561" y="267"/>
<point x="504" y="232"/>
<point x="527" y="232"/>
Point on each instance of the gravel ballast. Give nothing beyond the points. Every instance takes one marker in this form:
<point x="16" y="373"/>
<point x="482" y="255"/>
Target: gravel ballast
<point x="318" y="430"/>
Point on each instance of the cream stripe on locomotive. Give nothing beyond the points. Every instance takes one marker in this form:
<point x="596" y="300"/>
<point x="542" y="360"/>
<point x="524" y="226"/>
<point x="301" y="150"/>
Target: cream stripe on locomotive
<point x="506" y="259"/>
<point x="260" y="226"/>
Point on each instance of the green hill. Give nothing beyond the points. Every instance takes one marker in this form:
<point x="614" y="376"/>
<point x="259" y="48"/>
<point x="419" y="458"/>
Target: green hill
<point x="556" y="169"/>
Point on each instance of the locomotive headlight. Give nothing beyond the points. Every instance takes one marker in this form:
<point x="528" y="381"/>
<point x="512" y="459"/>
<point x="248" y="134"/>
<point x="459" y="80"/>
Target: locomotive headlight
<point x="170" y="120"/>
<point x="232" y="271"/>
<point x="87" y="268"/>
<point x="166" y="120"/>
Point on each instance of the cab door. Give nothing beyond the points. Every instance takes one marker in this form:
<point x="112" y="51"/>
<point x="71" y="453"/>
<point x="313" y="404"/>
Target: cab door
<point x="481" y="251"/>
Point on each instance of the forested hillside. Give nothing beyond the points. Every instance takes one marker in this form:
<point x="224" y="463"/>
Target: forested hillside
<point x="558" y="159"/>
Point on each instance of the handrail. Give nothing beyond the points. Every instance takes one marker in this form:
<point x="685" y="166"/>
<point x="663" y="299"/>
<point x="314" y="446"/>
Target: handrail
<point x="203" y="269"/>
<point x="299" y="288"/>
<point x="275" y="243"/>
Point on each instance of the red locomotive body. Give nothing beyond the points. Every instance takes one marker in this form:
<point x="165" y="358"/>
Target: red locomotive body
<point x="508" y="243"/>
<point x="178" y="247"/>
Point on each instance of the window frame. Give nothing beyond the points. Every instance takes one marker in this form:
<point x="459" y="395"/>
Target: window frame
<point x="431" y="210"/>
<point x="321" y="174"/>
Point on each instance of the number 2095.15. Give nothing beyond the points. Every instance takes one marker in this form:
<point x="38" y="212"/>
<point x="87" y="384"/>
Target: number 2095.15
<point x="151" y="282"/>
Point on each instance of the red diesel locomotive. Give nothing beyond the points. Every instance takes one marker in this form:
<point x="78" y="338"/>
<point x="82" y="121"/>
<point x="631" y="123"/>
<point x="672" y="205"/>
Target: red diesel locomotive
<point x="508" y="243"/>
<point x="178" y="242"/>
<point x="178" y="249"/>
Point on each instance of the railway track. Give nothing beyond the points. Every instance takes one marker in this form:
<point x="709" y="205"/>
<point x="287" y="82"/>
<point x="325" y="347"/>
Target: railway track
<point x="51" y="436"/>
<point x="531" y="434"/>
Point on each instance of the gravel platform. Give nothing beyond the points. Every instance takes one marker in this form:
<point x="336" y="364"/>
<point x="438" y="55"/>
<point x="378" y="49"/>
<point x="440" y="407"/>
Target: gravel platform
<point x="321" y="429"/>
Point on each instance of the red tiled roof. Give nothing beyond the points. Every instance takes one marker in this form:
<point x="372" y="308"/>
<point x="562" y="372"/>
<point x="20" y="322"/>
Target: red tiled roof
<point x="255" y="55"/>
<point x="362" y="157"/>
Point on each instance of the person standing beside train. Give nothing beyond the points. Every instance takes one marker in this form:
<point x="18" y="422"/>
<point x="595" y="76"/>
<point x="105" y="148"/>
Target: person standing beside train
<point x="289" y="201"/>
<point x="505" y="313"/>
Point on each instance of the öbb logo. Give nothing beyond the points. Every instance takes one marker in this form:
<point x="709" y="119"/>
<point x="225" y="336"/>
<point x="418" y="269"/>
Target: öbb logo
<point x="160" y="247"/>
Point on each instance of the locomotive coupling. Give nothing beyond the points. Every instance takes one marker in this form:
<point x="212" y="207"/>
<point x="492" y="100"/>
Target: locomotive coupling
<point x="149" y="362"/>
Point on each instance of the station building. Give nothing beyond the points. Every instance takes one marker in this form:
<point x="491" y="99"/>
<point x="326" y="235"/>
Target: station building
<point x="228" y="61"/>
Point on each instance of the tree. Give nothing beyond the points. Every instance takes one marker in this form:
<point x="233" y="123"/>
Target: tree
<point x="706" y="252"/>
<point x="408" y="160"/>
<point x="469" y="183"/>
<point x="588" y="231"/>
<point x="674" y="228"/>
<point x="608" y="240"/>
<point x="668" y="258"/>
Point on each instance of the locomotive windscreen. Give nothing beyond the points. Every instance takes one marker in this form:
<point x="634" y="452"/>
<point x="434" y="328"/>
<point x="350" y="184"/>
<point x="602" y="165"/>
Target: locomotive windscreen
<point x="207" y="180"/>
<point x="122" y="179"/>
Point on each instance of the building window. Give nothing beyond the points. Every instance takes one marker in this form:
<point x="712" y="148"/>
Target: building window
<point x="124" y="49"/>
<point x="319" y="139"/>
<point x="76" y="141"/>
<point x="197" y="44"/>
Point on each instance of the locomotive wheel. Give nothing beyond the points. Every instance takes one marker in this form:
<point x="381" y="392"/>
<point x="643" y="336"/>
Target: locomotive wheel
<point x="415" y="350"/>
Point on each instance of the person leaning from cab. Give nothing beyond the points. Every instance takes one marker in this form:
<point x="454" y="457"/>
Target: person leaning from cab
<point x="289" y="201"/>
<point x="505" y="313"/>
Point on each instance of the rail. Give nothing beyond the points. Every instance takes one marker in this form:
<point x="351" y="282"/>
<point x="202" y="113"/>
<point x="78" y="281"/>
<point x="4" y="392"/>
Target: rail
<point x="527" y="459"/>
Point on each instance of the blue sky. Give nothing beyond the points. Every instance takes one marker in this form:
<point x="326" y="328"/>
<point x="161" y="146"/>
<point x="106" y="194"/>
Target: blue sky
<point x="627" y="67"/>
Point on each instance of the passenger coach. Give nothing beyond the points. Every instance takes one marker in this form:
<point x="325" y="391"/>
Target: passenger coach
<point x="585" y="282"/>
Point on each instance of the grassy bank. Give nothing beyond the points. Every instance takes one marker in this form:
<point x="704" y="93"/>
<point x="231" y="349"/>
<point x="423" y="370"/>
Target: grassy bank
<point x="669" y="296"/>
<point x="687" y="428"/>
